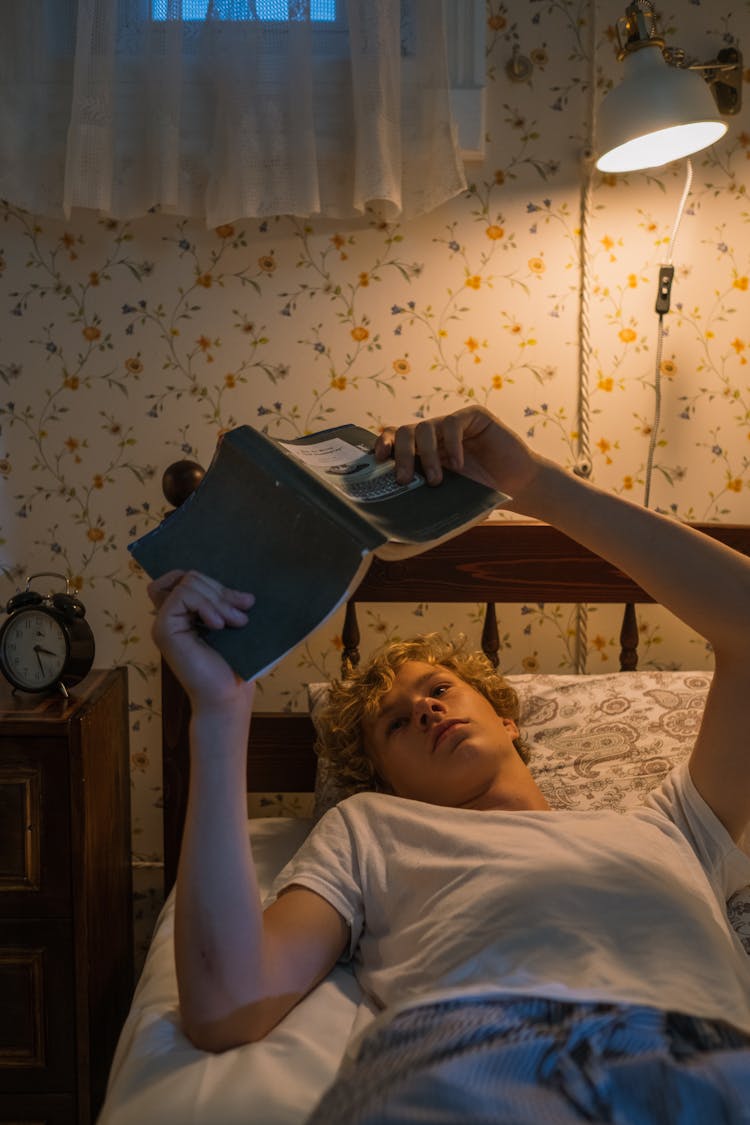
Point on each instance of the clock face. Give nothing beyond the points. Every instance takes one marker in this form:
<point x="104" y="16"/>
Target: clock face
<point x="34" y="649"/>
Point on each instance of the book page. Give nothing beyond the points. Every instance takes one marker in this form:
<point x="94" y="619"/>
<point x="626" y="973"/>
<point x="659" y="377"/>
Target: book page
<point x="352" y="469"/>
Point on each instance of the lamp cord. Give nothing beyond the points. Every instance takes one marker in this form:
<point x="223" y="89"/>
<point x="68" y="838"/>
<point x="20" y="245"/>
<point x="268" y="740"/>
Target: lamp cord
<point x="660" y="340"/>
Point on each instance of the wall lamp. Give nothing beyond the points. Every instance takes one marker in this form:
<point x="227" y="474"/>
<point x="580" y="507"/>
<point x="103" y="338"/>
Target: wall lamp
<point x="663" y="109"/>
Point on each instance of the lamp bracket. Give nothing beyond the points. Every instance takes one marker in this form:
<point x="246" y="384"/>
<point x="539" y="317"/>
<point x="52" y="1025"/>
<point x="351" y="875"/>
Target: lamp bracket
<point x="724" y="76"/>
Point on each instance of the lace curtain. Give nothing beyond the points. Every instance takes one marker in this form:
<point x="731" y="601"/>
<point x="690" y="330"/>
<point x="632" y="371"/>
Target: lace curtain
<point x="127" y="105"/>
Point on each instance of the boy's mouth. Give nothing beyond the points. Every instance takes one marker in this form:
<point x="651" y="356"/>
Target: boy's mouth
<point x="442" y="729"/>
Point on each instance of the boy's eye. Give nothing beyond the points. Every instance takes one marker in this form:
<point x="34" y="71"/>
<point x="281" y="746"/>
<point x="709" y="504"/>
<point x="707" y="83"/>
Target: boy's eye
<point x="440" y="689"/>
<point x="395" y="724"/>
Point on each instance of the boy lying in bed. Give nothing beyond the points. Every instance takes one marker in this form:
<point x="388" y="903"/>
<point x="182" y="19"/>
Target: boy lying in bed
<point x="533" y="966"/>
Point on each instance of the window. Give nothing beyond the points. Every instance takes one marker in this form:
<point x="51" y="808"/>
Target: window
<point x="267" y="10"/>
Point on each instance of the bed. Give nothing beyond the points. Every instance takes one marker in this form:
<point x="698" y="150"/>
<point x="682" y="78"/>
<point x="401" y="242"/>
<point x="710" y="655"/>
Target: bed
<point x="598" y="741"/>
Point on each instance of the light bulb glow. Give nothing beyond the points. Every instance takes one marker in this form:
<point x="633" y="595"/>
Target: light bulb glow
<point x="653" y="150"/>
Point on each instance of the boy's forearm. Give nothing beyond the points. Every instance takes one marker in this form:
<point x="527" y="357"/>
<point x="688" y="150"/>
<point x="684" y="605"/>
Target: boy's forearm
<point x="218" y="913"/>
<point x="703" y="582"/>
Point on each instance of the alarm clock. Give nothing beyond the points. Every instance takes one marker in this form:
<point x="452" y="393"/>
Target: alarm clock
<point x="46" y="642"/>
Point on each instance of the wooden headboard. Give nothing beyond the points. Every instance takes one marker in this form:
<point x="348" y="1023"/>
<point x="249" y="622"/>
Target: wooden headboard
<point x="494" y="563"/>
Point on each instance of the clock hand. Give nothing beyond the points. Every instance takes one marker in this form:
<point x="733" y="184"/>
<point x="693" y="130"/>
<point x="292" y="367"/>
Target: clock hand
<point x="46" y="651"/>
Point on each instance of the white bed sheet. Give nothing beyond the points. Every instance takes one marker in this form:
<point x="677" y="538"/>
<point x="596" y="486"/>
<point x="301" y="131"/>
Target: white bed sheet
<point x="159" y="1078"/>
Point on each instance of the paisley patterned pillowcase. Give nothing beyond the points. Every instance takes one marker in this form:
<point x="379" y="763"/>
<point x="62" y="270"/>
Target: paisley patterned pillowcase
<point x="596" y="742"/>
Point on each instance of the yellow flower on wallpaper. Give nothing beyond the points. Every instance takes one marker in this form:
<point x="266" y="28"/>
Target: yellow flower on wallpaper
<point x="734" y="485"/>
<point x="72" y="382"/>
<point x="401" y="366"/>
<point x="606" y="383"/>
<point x="360" y="333"/>
<point x="741" y="283"/>
<point x="738" y="345"/>
<point x="473" y="282"/>
<point x="668" y="367"/>
<point x="91" y="332"/>
<point x="267" y="263"/>
<point x="134" y="365"/>
<point x="338" y="382"/>
<point x="497" y="382"/>
<point x="226" y="230"/>
<point x="537" y="266"/>
<point x="627" y="335"/>
<point x="494" y="232"/>
<point x="205" y="280"/>
<point x="95" y="534"/>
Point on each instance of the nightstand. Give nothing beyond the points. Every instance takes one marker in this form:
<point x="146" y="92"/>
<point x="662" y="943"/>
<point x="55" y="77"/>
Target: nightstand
<point x="66" y="944"/>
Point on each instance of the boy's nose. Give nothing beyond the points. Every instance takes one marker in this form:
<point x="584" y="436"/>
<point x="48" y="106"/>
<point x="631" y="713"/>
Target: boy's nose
<point x="428" y="710"/>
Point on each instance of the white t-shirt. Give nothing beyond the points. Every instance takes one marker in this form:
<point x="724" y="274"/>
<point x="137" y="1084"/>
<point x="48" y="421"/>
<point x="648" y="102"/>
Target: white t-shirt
<point x="576" y="906"/>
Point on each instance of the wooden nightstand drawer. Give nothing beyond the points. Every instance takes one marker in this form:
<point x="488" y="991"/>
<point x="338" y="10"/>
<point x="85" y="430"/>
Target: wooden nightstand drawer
<point x="34" y="829"/>
<point x="37" y="1002"/>
<point x="37" y="1109"/>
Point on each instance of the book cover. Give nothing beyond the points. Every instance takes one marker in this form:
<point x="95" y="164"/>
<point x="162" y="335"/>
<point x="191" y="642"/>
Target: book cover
<point x="296" y="524"/>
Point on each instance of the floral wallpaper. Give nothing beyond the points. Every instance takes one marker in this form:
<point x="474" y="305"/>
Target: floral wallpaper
<point x="126" y="346"/>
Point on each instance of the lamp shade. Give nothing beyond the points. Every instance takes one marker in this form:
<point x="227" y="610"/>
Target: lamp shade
<point x="658" y="113"/>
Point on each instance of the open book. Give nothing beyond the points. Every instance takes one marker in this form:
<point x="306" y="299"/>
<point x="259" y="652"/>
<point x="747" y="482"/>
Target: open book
<point x="297" y="523"/>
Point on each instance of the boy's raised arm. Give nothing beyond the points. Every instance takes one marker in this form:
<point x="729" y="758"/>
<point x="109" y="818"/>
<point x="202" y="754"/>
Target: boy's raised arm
<point x="238" y="971"/>
<point x="703" y="582"/>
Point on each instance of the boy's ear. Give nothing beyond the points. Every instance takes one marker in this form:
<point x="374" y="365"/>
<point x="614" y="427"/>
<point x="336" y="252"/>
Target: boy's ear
<point x="512" y="727"/>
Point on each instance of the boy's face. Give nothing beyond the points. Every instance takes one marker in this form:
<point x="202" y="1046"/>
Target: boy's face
<point x="437" y="739"/>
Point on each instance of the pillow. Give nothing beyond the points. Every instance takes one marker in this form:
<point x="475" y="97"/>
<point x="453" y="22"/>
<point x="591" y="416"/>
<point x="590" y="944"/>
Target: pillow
<point x="596" y="742"/>
<point x="599" y="741"/>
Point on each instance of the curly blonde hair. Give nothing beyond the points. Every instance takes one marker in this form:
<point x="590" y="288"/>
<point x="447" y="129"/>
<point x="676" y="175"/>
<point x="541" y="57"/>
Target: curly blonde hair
<point x="352" y="702"/>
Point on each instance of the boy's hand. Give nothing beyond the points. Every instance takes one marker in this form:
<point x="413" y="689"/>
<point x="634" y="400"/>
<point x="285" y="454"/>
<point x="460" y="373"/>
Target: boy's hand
<point x="470" y="441"/>
<point x="185" y="603"/>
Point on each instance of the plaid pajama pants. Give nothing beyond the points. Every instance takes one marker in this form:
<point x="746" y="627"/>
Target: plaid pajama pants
<point x="532" y="1061"/>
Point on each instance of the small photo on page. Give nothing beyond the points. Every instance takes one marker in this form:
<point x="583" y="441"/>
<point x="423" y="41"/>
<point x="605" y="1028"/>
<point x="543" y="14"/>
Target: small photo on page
<point x="368" y="481"/>
<point x="352" y="470"/>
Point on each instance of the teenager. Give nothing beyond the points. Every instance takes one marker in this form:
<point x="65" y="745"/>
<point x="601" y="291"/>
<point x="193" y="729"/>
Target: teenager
<point x="532" y="965"/>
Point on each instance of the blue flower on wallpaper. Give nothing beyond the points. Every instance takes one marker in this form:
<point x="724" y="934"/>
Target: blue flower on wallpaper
<point x="453" y="245"/>
<point x="319" y="347"/>
<point x="396" y="309"/>
<point x="51" y="347"/>
<point x="531" y="207"/>
<point x="717" y="450"/>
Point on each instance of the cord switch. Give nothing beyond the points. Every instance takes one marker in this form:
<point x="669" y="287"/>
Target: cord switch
<point x="666" y="273"/>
